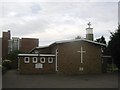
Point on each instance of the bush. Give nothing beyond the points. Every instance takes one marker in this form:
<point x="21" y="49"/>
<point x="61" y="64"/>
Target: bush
<point x="4" y="69"/>
<point x="7" y="64"/>
<point x="112" y="68"/>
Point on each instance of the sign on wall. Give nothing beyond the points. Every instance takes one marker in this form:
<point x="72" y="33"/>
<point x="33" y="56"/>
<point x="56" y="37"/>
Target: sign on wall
<point x="38" y="65"/>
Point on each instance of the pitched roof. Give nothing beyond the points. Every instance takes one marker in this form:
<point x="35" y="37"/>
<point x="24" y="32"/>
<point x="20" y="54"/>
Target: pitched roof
<point x="67" y="41"/>
<point x="38" y="48"/>
<point x="74" y="40"/>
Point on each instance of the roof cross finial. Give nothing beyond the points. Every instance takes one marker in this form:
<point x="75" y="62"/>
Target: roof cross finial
<point x="89" y="24"/>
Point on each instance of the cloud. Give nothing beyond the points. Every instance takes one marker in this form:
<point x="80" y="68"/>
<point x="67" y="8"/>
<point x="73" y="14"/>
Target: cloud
<point x="35" y="8"/>
<point x="51" y="21"/>
<point x="119" y="12"/>
<point x="16" y="9"/>
<point x="59" y="0"/>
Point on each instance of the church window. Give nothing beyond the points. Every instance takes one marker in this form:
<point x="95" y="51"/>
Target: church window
<point x="50" y="60"/>
<point x="42" y="59"/>
<point x="35" y="60"/>
<point x="26" y="60"/>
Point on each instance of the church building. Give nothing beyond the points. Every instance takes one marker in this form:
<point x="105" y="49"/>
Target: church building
<point x="77" y="56"/>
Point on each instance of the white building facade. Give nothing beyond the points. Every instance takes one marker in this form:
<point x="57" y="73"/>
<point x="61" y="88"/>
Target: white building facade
<point x="14" y="44"/>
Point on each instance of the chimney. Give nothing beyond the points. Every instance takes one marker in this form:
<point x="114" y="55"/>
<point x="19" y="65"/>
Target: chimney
<point x="9" y="34"/>
<point x="89" y="32"/>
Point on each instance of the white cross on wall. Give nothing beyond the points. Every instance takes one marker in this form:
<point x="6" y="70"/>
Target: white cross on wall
<point x="81" y="54"/>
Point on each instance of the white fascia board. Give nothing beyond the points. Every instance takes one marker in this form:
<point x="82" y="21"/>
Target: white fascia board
<point x="42" y="47"/>
<point x="94" y="42"/>
<point x="27" y="54"/>
<point x="47" y="55"/>
<point x="36" y="55"/>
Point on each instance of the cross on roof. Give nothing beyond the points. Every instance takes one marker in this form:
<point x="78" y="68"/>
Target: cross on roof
<point x="89" y="24"/>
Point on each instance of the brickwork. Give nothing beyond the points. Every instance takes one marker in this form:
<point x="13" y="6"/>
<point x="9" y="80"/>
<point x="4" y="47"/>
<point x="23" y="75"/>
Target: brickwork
<point x="68" y="59"/>
<point x="28" y="44"/>
<point x="29" y="68"/>
<point x="5" y="37"/>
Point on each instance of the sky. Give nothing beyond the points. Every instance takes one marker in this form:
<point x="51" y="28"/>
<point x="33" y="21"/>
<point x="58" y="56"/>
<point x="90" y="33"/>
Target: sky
<point x="55" y="20"/>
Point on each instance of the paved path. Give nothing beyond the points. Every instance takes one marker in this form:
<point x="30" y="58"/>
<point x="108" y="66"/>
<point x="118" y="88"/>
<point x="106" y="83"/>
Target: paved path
<point x="12" y="79"/>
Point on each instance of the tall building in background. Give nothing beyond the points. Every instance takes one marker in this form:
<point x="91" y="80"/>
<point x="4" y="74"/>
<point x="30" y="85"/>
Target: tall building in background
<point x="14" y="44"/>
<point x="24" y="45"/>
<point x="28" y="44"/>
<point x="6" y="36"/>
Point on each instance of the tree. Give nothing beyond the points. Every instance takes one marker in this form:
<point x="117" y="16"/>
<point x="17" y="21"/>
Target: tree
<point x="101" y="40"/>
<point x="78" y="37"/>
<point x="114" y="46"/>
<point x="13" y="56"/>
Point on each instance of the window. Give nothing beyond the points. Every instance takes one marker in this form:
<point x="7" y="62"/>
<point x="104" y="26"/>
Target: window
<point x="42" y="59"/>
<point x="35" y="60"/>
<point x="50" y="60"/>
<point x="26" y="60"/>
<point x="38" y="65"/>
<point x="80" y="68"/>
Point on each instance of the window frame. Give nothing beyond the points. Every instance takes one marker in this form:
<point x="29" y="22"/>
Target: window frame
<point x="41" y="59"/>
<point x="33" y="59"/>
<point x="49" y="59"/>
<point x="26" y="58"/>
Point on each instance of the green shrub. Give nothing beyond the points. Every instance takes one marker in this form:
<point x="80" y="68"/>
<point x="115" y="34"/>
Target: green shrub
<point x="4" y="69"/>
<point x="111" y="67"/>
<point x="7" y="64"/>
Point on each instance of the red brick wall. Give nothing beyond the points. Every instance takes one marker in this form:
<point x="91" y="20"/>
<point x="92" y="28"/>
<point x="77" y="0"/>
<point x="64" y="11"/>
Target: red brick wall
<point x="29" y="68"/>
<point x="28" y="44"/>
<point x="45" y="50"/>
<point x="69" y="58"/>
<point x="5" y="37"/>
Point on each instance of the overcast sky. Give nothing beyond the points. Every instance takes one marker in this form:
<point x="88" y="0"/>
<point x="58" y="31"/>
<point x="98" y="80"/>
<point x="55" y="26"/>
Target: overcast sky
<point x="51" y="20"/>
